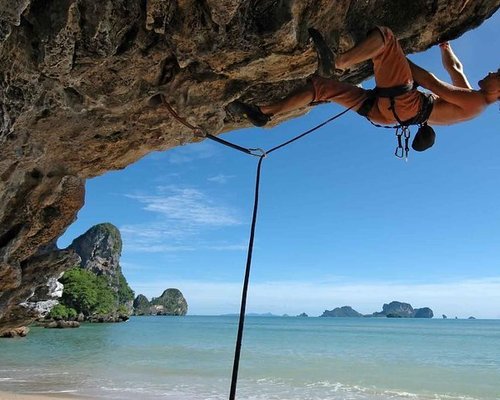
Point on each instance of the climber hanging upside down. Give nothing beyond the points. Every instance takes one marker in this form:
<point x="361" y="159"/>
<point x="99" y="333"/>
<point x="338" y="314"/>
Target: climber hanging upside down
<point x="395" y="100"/>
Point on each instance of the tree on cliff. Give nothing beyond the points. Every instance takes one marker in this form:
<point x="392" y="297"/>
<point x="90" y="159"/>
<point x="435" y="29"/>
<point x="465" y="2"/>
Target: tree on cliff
<point x="87" y="293"/>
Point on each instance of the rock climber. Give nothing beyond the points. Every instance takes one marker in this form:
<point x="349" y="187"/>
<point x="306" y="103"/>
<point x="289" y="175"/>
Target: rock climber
<point x="395" y="99"/>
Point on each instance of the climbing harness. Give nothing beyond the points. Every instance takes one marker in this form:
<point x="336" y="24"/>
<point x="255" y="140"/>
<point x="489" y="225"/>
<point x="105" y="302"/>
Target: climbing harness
<point x="260" y="154"/>
<point x="425" y="135"/>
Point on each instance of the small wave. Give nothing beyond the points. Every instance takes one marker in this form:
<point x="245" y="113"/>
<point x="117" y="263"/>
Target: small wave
<point x="53" y="391"/>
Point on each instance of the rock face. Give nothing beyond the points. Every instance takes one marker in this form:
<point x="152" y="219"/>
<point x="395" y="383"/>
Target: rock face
<point x="78" y="85"/>
<point x="171" y="302"/>
<point x="345" y="311"/>
<point x="397" y="309"/>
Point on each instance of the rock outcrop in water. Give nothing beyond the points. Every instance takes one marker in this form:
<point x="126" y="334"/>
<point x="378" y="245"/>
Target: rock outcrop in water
<point x="171" y="302"/>
<point x="78" y="85"/>
<point x="394" y="309"/>
<point x="397" y="309"/>
<point x="345" y="311"/>
<point x="424" y="312"/>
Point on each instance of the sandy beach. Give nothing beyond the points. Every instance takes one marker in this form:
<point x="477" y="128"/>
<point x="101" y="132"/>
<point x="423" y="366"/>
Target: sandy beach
<point x="63" y="396"/>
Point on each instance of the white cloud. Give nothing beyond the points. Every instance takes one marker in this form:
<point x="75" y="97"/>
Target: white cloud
<point x="181" y="217"/>
<point x="189" y="206"/>
<point x="226" y="246"/>
<point x="192" y="152"/>
<point x="479" y="297"/>
<point x="221" y="178"/>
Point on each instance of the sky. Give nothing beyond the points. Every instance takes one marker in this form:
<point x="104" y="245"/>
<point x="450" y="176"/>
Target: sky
<point x="341" y="220"/>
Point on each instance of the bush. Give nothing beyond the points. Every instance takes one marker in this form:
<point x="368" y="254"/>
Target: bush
<point x="87" y="293"/>
<point x="60" y="311"/>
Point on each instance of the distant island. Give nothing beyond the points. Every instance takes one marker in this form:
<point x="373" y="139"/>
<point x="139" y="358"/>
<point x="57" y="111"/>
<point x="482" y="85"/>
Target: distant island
<point x="345" y="311"/>
<point x="395" y="309"/>
<point x="171" y="302"/>
<point x="268" y="314"/>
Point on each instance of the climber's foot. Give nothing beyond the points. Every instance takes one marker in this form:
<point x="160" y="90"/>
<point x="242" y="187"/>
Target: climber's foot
<point x="326" y="57"/>
<point x="248" y="111"/>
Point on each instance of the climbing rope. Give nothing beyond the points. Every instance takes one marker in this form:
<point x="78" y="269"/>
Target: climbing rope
<point x="261" y="154"/>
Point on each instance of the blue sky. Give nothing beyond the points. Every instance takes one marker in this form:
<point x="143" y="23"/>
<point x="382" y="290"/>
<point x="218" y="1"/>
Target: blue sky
<point x="341" y="221"/>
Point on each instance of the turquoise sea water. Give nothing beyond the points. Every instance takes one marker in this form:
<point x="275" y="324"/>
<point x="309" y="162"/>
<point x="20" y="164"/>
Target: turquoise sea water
<point x="282" y="358"/>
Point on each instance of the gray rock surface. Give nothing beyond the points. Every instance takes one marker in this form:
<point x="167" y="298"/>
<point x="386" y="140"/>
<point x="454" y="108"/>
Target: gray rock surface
<point x="77" y="76"/>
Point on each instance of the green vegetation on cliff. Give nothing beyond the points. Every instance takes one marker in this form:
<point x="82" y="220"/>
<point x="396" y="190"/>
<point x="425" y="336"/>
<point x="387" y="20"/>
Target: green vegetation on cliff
<point x="88" y="293"/>
<point x="125" y="293"/>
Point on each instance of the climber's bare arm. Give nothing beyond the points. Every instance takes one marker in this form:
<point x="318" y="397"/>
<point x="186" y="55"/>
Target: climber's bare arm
<point x="453" y="94"/>
<point x="453" y="66"/>
<point x="454" y="103"/>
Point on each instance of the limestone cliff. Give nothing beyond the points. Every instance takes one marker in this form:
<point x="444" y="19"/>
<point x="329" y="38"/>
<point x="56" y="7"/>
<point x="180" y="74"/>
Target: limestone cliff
<point x="100" y="250"/>
<point x="77" y="78"/>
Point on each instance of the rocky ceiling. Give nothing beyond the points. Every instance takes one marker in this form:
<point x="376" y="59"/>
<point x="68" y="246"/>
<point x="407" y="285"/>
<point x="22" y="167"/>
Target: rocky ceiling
<point x="77" y="78"/>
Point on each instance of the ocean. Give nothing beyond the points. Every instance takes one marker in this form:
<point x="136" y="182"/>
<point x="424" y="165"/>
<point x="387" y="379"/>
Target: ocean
<point x="282" y="358"/>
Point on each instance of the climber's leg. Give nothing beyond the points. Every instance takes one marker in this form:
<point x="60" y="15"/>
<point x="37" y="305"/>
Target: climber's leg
<point x="299" y="98"/>
<point x="317" y="90"/>
<point x="260" y="115"/>
<point x="390" y="65"/>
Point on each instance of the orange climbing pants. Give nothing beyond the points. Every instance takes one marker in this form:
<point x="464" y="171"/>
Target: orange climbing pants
<point x="391" y="68"/>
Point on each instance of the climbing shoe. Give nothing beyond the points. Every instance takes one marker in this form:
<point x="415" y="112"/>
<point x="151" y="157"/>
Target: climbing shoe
<point x="248" y="111"/>
<point x="424" y="139"/>
<point x="326" y="57"/>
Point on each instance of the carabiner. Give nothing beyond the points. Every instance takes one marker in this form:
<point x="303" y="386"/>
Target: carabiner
<point x="258" y="152"/>
<point x="397" y="153"/>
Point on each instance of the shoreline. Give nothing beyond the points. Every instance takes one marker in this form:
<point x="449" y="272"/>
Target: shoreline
<point x="40" y="396"/>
